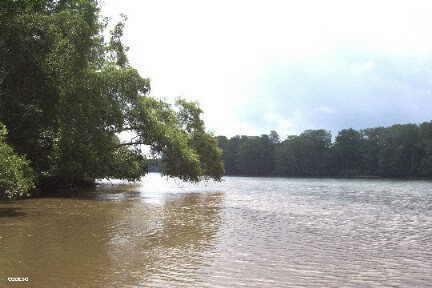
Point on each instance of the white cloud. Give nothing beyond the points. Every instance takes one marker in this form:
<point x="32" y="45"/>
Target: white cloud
<point x="362" y="67"/>
<point x="325" y="110"/>
<point x="217" y="51"/>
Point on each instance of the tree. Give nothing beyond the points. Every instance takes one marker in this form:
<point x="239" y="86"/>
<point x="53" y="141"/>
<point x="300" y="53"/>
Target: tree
<point x="230" y="148"/>
<point x="396" y="151"/>
<point x="425" y="166"/>
<point x="313" y="152"/>
<point x="66" y="93"/>
<point x="255" y="156"/>
<point x="285" y="157"/>
<point x="373" y="143"/>
<point x="400" y="151"/>
<point x="274" y="137"/>
<point x="348" y="152"/>
<point x="16" y="176"/>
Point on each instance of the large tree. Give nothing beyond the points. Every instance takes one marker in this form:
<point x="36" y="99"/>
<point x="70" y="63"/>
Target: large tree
<point x="67" y="91"/>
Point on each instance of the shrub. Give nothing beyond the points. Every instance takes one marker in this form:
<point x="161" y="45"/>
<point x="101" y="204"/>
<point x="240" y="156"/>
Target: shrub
<point x="16" y="175"/>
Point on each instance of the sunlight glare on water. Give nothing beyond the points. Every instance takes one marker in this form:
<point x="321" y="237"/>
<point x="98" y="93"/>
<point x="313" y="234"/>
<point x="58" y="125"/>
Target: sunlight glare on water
<point x="254" y="232"/>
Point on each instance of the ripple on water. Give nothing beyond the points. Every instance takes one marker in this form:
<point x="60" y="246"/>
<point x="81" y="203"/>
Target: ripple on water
<point x="243" y="232"/>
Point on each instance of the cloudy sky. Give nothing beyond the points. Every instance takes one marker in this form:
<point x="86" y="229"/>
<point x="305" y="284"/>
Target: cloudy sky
<point x="286" y="65"/>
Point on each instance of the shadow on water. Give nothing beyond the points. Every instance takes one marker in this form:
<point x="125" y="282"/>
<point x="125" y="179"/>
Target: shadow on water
<point x="98" y="192"/>
<point x="107" y="237"/>
<point x="11" y="212"/>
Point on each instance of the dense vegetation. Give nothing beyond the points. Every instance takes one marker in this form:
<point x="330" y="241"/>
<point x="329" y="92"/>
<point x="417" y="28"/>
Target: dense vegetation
<point x="16" y="176"/>
<point x="67" y="91"/>
<point x="396" y="151"/>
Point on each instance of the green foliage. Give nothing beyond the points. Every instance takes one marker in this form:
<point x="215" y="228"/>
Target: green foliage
<point x="305" y="155"/>
<point x="396" y="151"/>
<point x="127" y="164"/>
<point x="425" y="135"/>
<point x="16" y="176"/>
<point x="66" y="93"/>
<point x="230" y="148"/>
<point x="205" y="144"/>
<point x="247" y="155"/>
<point x="347" y="152"/>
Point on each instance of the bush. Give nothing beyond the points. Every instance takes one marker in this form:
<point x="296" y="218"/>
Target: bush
<point x="16" y="175"/>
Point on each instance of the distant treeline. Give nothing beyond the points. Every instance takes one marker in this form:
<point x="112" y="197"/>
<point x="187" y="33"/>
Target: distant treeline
<point x="396" y="151"/>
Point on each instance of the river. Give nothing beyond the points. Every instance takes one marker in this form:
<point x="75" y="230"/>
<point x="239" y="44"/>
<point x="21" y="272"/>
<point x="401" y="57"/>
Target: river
<point x="242" y="232"/>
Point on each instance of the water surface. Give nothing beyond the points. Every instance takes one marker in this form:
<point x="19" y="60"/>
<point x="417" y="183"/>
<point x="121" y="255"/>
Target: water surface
<point x="243" y="232"/>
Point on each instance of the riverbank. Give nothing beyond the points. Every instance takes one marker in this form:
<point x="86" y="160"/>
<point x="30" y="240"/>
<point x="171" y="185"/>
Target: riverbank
<point x="336" y="177"/>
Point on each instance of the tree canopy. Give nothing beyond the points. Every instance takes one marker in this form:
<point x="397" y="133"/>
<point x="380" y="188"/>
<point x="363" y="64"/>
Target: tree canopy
<point x="396" y="151"/>
<point x="67" y="90"/>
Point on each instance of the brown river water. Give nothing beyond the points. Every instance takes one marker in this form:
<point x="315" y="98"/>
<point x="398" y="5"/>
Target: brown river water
<point x="243" y="232"/>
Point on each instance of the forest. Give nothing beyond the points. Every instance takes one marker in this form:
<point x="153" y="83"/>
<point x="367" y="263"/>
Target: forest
<point x="399" y="151"/>
<point x="67" y="91"/>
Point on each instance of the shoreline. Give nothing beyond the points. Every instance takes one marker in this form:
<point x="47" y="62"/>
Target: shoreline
<point x="335" y="177"/>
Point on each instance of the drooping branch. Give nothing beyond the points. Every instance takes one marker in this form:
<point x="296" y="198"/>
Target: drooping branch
<point x="129" y="144"/>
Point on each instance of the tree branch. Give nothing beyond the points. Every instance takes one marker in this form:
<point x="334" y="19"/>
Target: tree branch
<point x="129" y="144"/>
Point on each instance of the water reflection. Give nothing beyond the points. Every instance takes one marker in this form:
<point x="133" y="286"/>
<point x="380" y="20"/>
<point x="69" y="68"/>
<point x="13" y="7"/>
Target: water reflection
<point x="90" y="243"/>
<point x="244" y="232"/>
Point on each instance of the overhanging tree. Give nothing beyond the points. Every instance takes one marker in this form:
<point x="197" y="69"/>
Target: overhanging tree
<point x="66" y="92"/>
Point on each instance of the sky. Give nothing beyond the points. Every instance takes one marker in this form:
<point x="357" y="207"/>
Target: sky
<point x="256" y="66"/>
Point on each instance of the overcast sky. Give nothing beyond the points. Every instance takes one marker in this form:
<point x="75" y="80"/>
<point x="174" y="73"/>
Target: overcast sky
<point x="286" y="65"/>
